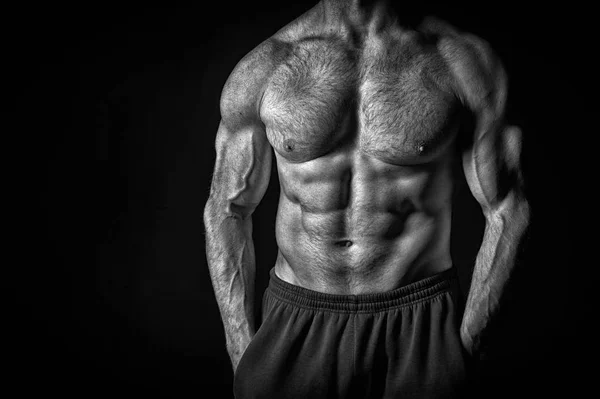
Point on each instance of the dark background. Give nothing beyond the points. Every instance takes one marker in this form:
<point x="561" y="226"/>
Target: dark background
<point x="117" y="110"/>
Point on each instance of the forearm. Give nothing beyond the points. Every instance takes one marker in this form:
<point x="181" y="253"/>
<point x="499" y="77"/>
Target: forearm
<point x="504" y="234"/>
<point x="230" y="254"/>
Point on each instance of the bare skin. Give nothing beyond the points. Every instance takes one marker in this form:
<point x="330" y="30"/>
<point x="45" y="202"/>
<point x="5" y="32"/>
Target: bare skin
<point x="363" y="119"/>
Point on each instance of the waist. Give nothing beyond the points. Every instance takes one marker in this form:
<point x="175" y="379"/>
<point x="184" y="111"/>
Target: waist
<point x="375" y="255"/>
<point x="406" y="295"/>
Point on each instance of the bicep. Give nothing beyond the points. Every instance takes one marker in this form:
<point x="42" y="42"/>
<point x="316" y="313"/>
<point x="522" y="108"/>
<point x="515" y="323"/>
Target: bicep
<point x="492" y="164"/>
<point x="242" y="168"/>
<point x="491" y="159"/>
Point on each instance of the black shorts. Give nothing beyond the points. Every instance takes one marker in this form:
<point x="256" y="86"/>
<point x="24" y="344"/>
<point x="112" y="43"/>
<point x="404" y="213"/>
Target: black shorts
<point x="402" y="343"/>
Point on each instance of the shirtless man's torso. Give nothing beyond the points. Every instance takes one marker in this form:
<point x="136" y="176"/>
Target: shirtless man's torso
<point x="363" y="118"/>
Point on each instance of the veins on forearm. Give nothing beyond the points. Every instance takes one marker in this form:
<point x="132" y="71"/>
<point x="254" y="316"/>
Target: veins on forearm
<point x="493" y="268"/>
<point x="231" y="265"/>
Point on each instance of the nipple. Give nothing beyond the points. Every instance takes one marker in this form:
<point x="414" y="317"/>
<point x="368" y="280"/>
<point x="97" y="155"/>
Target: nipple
<point x="421" y="147"/>
<point x="288" y="145"/>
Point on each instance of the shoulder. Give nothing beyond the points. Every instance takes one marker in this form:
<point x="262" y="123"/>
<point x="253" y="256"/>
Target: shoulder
<point x="244" y="88"/>
<point x="478" y="75"/>
<point x="242" y="92"/>
<point x="310" y="23"/>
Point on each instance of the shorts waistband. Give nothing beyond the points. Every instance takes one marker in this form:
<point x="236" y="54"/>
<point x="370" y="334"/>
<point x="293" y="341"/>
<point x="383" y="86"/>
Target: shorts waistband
<point x="403" y="296"/>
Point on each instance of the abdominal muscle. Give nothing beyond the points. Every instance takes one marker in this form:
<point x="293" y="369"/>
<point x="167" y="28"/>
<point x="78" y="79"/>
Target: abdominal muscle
<point x="372" y="232"/>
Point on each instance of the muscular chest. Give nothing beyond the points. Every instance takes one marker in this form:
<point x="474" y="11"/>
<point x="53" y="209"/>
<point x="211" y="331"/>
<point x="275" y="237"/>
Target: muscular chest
<point x="387" y="101"/>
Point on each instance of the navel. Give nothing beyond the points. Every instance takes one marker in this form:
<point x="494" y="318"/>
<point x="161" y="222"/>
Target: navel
<point x="344" y="243"/>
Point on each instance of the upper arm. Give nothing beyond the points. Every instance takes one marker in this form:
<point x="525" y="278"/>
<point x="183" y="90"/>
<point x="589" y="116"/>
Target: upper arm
<point x="491" y="158"/>
<point x="242" y="168"/>
<point x="243" y="154"/>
